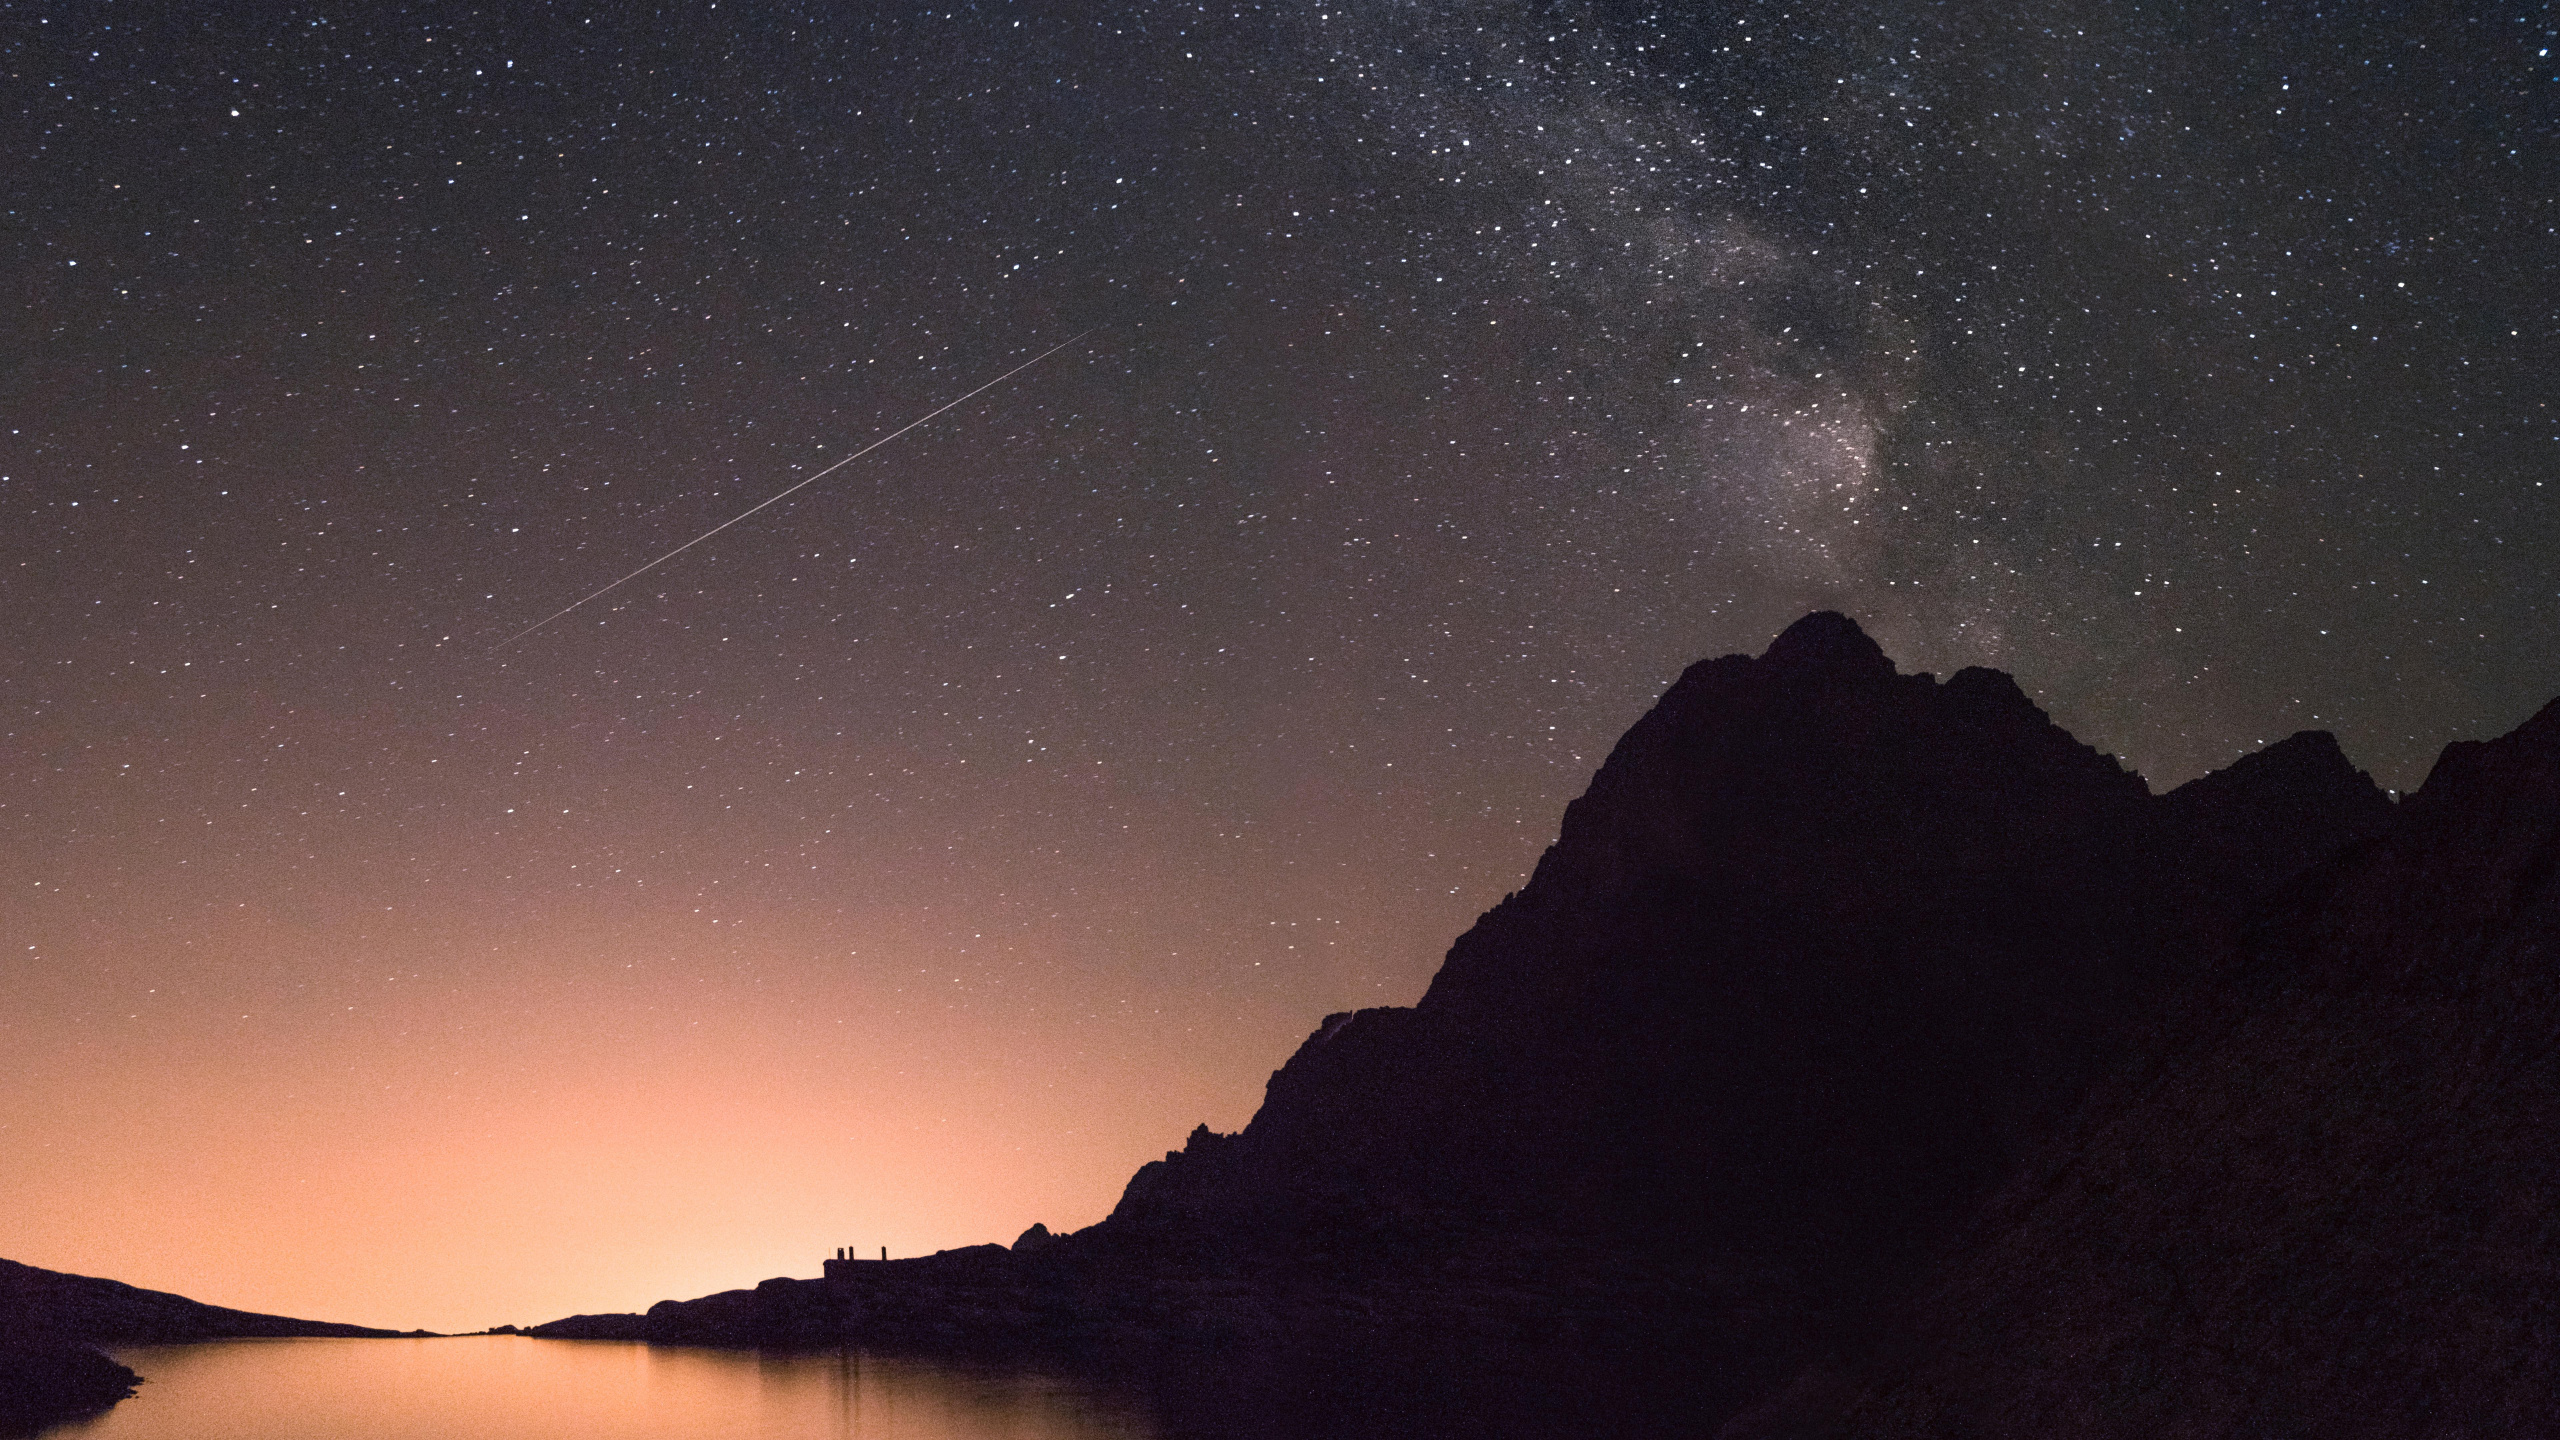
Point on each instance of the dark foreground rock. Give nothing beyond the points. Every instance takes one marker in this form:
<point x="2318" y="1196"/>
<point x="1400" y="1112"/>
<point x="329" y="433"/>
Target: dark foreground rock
<point x="1827" y="956"/>
<point x="2328" y="1204"/>
<point x="43" y="1382"/>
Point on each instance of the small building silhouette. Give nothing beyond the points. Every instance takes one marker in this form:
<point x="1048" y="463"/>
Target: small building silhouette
<point x="845" y="1259"/>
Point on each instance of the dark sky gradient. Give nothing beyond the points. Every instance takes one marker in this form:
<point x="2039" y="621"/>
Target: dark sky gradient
<point x="908" y="862"/>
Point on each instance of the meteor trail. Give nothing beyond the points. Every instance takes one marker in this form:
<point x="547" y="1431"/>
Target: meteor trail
<point x="812" y="480"/>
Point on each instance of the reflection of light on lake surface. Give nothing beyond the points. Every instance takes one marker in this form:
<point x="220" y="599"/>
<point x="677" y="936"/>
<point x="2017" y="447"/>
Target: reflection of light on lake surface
<point x="509" y="1388"/>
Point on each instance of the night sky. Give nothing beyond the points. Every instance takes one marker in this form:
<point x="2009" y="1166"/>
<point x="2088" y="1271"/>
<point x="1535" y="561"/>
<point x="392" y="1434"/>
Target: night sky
<point x="910" y="861"/>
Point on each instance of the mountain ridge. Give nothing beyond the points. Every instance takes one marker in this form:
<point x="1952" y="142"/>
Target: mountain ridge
<point x="1820" y="956"/>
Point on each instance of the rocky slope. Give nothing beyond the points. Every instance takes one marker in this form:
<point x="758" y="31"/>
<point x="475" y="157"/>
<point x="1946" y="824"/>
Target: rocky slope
<point x="1822" y="953"/>
<point x="2328" y="1204"/>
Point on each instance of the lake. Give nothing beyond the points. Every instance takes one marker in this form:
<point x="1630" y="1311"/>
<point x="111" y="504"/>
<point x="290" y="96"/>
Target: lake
<point x="506" y="1387"/>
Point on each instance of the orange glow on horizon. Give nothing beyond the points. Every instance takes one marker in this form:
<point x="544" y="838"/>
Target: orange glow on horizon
<point x="581" y="1120"/>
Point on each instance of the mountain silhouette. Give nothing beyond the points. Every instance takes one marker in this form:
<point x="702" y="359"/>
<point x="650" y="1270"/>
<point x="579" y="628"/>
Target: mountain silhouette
<point x="1816" y="952"/>
<point x="1825" y="953"/>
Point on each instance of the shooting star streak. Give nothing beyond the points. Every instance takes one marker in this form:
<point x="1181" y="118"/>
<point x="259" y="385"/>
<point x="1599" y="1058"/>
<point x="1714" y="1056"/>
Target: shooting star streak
<point x="812" y="480"/>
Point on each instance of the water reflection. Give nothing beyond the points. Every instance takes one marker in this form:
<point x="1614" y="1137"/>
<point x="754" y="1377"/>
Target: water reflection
<point x="504" y="1387"/>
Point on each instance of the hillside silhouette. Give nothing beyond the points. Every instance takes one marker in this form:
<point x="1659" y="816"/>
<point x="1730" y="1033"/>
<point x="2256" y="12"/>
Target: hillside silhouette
<point x="51" y="1324"/>
<point x="1827" y="959"/>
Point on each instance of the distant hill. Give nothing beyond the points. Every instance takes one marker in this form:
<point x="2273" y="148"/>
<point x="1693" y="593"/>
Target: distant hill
<point x="50" y="1322"/>
<point x="92" y="1311"/>
<point x="1825" y="957"/>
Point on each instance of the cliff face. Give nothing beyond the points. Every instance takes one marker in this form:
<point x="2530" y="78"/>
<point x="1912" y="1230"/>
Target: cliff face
<point x="1822" y="948"/>
<point x="2332" y="1208"/>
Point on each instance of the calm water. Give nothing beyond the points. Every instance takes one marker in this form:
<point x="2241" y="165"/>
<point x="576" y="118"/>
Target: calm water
<point x="506" y="1387"/>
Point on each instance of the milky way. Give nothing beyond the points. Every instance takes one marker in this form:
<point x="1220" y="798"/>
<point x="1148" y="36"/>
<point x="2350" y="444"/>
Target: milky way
<point x="907" y="862"/>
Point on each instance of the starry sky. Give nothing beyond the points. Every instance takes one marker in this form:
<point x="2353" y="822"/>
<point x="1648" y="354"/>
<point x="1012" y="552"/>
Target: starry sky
<point x="909" y="861"/>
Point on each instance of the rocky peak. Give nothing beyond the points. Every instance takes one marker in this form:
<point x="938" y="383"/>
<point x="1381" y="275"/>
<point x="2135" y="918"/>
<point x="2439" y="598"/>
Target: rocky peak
<point x="2304" y="768"/>
<point x="2473" y="854"/>
<point x="1817" y="952"/>
<point x="2240" y="831"/>
<point x="1827" y="642"/>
